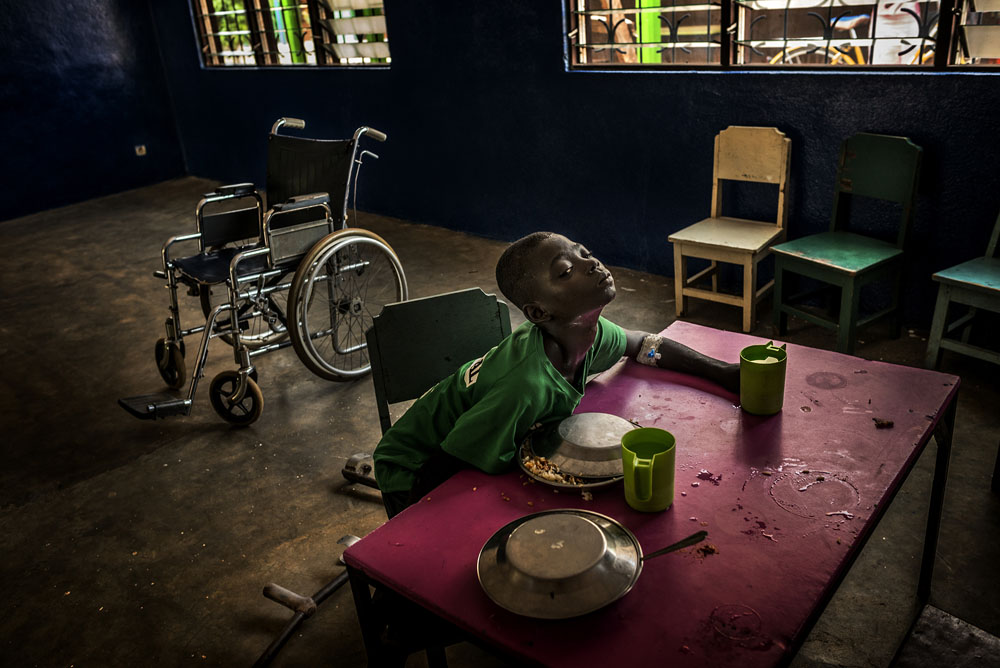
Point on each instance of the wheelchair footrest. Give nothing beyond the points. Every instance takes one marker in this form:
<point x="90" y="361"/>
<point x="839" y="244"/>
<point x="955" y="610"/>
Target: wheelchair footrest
<point x="360" y="469"/>
<point x="151" y="406"/>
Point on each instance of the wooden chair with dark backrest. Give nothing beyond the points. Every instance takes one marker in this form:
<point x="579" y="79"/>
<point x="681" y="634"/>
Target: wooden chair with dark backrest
<point x="974" y="284"/>
<point x="414" y="344"/>
<point x="749" y="154"/>
<point x="878" y="167"/>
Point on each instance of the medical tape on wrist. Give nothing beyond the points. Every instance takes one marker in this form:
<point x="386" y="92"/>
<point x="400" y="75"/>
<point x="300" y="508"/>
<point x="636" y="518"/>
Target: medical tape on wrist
<point x="649" y="352"/>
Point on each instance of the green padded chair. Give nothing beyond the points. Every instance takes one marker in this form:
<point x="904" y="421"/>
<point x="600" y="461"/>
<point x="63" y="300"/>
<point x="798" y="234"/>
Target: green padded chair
<point x="880" y="167"/>
<point x="413" y="344"/>
<point x="974" y="284"/>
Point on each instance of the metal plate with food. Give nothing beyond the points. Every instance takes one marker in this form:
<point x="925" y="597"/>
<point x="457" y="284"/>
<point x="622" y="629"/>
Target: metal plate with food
<point x="580" y="451"/>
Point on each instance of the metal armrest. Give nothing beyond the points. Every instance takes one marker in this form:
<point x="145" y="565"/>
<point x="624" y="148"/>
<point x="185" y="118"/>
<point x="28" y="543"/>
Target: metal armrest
<point x="234" y="190"/>
<point x="302" y="201"/>
<point x="165" y="251"/>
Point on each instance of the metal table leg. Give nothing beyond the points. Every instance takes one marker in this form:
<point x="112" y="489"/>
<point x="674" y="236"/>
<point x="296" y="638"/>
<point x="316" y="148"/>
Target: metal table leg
<point x="943" y="434"/>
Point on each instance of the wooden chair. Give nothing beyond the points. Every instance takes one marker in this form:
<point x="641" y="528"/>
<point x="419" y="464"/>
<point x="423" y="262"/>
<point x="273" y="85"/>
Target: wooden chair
<point x="974" y="284"/>
<point x="874" y="166"/>
<point x="752" y="154"/>
<point x="414" y="344"/>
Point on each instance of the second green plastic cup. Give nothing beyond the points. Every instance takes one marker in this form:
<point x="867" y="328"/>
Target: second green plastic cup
<point x="648" y="465"/>
<point x="762" y="378"/>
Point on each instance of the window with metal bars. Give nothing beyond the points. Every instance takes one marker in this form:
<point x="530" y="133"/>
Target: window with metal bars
<point x="259" y="33"/>
<point x="783" y="33"/>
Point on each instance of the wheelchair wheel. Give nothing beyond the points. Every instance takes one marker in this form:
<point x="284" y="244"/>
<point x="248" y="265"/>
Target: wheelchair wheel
<point x="170" y="364"/>
<point x="340" y="285"/>
<point x="243" y="412"/>
<point x="267" y="326"/>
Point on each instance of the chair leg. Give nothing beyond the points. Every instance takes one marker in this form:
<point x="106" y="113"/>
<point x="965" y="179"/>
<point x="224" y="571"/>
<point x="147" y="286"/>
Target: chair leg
<point x="937" y="327"/>
<point x="749" y="294"/>
<point x="967" y="330"/>
<point x="715" y="275"/>
<point x="847" y="329"/>
<point x="778" y="317"/>
<point x="895" y="318"/>
<point x="680" y="278"/>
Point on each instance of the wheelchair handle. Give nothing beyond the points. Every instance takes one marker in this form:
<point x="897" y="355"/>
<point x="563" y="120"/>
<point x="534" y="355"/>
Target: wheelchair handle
<point x="296" y="123"/>
<point x="377" y="135"/>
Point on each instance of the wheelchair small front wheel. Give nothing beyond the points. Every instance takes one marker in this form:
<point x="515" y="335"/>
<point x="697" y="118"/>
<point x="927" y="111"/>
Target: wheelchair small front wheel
<point x="243" y="412"/>
<point x="170" y="364"/>
<point x="341" y="284"/>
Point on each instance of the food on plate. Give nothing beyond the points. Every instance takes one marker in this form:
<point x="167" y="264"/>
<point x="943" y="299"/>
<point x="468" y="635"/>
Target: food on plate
<point x="546" y="470"/>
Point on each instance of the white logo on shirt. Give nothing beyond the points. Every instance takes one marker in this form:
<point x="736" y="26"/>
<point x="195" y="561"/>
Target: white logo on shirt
<point x="472" y="373"/>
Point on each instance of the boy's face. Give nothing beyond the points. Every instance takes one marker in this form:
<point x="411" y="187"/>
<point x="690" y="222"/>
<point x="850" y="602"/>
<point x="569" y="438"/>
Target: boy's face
<point x="568" y="280"/>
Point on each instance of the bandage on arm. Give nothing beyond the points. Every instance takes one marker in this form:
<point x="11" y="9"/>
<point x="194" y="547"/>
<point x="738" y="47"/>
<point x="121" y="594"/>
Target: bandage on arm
<point x="649" y="351"/>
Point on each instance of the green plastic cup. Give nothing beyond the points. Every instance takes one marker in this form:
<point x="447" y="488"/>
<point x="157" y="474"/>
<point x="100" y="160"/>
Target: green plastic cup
<point x="648" y="464"/>
<point x="762" y="378"/>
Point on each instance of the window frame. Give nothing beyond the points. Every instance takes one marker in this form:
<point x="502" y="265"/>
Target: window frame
<point x="263" y="37"/>
<point x="945" y="45"/>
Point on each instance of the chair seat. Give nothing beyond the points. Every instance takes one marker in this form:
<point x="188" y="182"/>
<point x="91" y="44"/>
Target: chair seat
<point x="983" y="274"/>
<point x="736" y="234"/>
<point x="848" y="252"/>
<point x="212" y="268"/>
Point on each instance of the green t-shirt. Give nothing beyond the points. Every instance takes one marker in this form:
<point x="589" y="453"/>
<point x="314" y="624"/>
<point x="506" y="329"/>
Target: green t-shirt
<point x="482" y="412"/>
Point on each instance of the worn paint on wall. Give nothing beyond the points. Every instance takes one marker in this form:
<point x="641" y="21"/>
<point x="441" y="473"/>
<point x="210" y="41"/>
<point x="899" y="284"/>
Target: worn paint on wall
<point x="82" y="85"/>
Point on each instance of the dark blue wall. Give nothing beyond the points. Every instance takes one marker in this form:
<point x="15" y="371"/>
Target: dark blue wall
<point x="81" y="84"/>
<point x="488" y="133"/>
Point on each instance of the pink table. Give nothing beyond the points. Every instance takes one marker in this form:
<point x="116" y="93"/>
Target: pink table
<point x="788" y="502"/>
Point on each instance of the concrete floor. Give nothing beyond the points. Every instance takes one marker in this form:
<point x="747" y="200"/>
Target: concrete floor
<point x="132" y="543"/>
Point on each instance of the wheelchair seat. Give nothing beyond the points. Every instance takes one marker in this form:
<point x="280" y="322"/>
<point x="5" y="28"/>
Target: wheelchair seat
<point x="212" y="268"/>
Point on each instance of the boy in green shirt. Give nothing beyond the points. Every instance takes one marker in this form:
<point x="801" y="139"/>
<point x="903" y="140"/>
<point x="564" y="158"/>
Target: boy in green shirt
<point x="479" y="415"/>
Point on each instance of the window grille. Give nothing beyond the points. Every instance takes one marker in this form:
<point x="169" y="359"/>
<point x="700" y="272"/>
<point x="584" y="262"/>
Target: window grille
<point x="256" y="33"/>
<point x="978" y="33"/>
<point x="783" y="33"/>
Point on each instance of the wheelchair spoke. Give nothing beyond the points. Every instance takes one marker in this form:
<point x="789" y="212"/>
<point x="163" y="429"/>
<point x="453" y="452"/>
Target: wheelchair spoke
<point x="349" y="283"/>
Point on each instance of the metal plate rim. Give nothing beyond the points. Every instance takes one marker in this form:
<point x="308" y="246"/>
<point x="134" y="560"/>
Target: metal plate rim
<point x="492" y="545"/>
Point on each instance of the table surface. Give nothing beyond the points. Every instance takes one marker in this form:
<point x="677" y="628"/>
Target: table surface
<point x="781" y="537"/>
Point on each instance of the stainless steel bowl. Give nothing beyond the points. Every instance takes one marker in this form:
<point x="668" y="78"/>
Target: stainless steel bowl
<point x="585" y="445"/>
<point x="558" y="564"/>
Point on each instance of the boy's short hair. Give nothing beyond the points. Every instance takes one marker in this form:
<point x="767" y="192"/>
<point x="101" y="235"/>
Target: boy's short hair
<point x="514" y="277"/>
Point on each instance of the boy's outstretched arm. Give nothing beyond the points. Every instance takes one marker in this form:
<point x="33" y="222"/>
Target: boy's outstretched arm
<point x="678" y="357"/>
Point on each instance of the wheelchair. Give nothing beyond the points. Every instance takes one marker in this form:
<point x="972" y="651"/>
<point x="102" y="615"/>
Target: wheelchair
<point x="293" y="274"/>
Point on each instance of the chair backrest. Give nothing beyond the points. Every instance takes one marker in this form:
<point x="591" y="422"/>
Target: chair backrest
<point x="882" y="167"/>
<point x="753" y="154"/>
<point x="414" y="344"/>
<point x="299" y="166"/>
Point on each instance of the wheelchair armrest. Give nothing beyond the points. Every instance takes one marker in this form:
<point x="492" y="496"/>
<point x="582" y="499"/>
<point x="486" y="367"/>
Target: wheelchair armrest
<point x="302" y="201"/>
<point x="233" y="190"/>
<point x="165" y="251"/>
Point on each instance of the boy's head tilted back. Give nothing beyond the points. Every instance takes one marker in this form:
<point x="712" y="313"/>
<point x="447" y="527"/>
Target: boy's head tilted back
<point x="553" y="279"/>
<point x="514" y="275"/>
